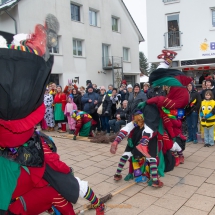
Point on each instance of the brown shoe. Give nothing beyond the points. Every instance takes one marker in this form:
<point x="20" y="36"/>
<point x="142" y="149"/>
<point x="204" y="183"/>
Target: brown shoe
<point x="117" y="177"/>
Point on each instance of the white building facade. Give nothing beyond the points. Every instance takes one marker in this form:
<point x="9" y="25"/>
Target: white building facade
<point x="187" y="27"/>
<point x="98" y="39"/>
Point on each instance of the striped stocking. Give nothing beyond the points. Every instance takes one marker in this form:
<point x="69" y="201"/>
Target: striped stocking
<point x="121" y="164"/>
<point x="153" y="169"/>
<point x="90" y="196"/>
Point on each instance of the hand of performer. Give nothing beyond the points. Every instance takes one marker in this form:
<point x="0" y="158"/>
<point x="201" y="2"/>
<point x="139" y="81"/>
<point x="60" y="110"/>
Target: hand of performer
<point x="74" y="138"/>
<point x="113" y="147"/>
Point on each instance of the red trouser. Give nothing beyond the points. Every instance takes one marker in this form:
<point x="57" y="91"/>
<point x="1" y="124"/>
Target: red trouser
<point x="37" y="200"/>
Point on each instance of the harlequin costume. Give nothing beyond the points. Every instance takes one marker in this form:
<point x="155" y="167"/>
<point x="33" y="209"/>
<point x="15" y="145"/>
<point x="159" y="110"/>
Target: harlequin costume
<point x="85" y="125"/>
<point x="33" y="178"/>
<point x="134" y="130"/>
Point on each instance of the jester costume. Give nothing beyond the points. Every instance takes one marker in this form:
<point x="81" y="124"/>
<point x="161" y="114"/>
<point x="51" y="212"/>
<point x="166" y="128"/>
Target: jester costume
<point x="85" y="125"/>
<point x="33" y="178"/>
<point x="147" y="126"/>
<point x="167" y="129"/>
<point x="172" y="106"/>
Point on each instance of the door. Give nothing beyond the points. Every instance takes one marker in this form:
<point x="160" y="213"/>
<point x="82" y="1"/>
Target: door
<point x="105" y="55"/>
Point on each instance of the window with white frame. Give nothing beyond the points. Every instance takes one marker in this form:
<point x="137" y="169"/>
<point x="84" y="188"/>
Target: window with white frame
<point x="126" y="54"/>
<point x="75" y="12"/>
<point x="93" y="16"/>
<point x="115" y="24"/>
<point x="56" y="49"/>
<point x="77" y="47"/>
<point x="213" y="17"/>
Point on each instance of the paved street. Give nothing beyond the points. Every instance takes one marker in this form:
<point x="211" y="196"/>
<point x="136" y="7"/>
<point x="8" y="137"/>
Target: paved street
<point x="188" y="190"/>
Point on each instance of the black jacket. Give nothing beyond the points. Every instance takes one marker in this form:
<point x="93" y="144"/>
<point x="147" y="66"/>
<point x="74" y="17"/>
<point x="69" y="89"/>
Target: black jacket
<point x="194" y="96"/>
<point x="123" y="113"/>
<point x="77" y="101"/>
<point x="106" y="105"/>
<point x="133" y="102"/>
<point x="155" y="91"/>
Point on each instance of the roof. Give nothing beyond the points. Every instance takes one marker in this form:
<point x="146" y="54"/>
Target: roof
<point x="141" y="39"/>
<point x="7" y="4"/>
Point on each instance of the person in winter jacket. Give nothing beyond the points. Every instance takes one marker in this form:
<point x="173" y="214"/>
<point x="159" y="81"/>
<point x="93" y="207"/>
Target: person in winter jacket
<point x="123" y="90"/>
<point x="134" y="99"/>
<point x="115" y="100"/>
<point x="105" y="101"/>
<point x="77" y="98"/>
<point x="129" y="90"/>
<point x="121" y="117"/>
<point x="90" y="102"/>
<point x="192" y="112"/>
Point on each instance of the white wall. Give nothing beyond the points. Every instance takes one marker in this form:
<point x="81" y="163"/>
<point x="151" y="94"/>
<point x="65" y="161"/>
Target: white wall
<point x="86" y="67"/>
<point x="195" y="22"/>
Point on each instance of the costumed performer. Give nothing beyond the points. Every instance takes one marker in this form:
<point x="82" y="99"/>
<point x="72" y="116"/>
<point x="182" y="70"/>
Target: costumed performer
<point x="85" y="124"/>
<point x="38" y="179"/>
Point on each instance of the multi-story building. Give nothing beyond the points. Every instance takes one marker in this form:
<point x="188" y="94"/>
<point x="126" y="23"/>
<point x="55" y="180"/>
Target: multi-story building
<point x="187" y="27"/>
<point x="97" y="41"/>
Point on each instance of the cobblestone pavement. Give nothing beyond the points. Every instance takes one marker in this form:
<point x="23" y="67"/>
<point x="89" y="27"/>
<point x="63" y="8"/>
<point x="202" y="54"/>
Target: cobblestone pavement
<point x="188" y="190"/>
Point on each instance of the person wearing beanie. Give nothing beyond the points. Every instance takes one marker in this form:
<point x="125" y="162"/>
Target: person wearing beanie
<point x="129" y="90"/>
<point x="90" y="102"/>
<point x="134" y="99"/>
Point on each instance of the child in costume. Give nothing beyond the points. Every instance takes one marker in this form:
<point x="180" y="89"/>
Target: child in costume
<point x="85" y="125"/>
<point x="207" y="114"/>
<point x="38" y="179"/>
<point x="70" y="106"/>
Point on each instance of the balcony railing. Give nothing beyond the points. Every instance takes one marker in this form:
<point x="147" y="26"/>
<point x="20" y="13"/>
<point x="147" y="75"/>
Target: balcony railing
<point x="111" y="62"/>
<point x="172" y="39"/>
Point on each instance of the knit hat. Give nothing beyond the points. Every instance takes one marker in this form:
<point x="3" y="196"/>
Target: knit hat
<point x="129" y="86"/>
<point x="88" y="82"/>
<point x="90" y="86"/>
<point x="124" y="82"/>
<point x="136" y="85"/>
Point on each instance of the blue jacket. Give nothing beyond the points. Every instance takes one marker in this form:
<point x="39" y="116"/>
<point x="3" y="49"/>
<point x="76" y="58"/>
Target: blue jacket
<point x="89" y="107"/>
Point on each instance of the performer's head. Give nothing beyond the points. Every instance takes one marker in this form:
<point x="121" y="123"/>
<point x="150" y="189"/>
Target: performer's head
<point x="138" y="119"/>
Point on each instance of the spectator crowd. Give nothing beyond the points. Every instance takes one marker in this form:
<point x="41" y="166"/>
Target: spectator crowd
<point x="111" y="108"/>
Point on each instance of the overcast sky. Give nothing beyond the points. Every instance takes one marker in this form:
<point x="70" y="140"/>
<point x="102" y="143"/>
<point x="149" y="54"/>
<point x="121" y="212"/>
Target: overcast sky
<point x="137" y="8"/>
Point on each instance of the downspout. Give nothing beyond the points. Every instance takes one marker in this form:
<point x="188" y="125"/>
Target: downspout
<point x="15" y="23"/>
